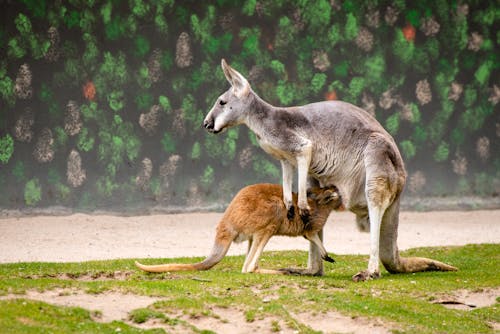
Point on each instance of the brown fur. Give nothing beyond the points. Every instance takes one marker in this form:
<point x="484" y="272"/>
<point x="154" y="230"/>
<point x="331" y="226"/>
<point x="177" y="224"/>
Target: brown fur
<point x="257" y="213"/>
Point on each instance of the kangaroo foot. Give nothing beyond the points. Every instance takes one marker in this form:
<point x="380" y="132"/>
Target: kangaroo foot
<point x="291" y="213"/>
<point x="301" y="271"/>
<point x="365" y="275"/>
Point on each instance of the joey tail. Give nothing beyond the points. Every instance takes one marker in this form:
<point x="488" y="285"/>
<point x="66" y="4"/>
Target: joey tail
<point x="218" y="252"/>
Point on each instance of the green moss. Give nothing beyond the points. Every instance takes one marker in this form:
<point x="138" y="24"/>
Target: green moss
<point x="196" y="151"/>
<point x="249" y="7"/>
<point x="442" y="152"/>
<point x="116" y="100"/>
<point x="38" y="8"/>
<point x="285" y="92"/>
<point x="470" y="96"/>
<point x="278" y="68"/>
<point x="91" y="51"/>
<point x="115" y="28"/>
<point x="419" y="135"/>
<point x="142" y="46"/>
<point x="32" y="192"/>
<point x="250" y="46"/>
<point x="356" y="86"/>
<point x="413" y="16"/>
<point x="317" y="14"/>
<point x="85" y="141"/>
<point x="403" y="49"/>
<point x="351" y="27"/>
<point x="218" y="44"/>
<point x="202" y="29"/>
<point x="392" y="124"/>
<point x="105" y="186"/>
<point x="87" y="21"/>
<point x="334" y="35"/>
<point x="139" y="8"/>
<point x="483" y="72"/>
<point x="23" y="24"/>
<point x="72" y="18"/>
<point x="374" y="68"/>
<point x="408" y="148"/>
<point x="208" y="177"/>
<point x="318" y="82"/>
<point x="164" y="103"/>
<point x="7" y="89"/>
<point x="166" y="61"/>
<point x="62" y="191"/>
<point x="144" y="100"/>
<point x="6" y="148"/>
<point x="341" y="69"/>
<point x="168" y="143"/>
<point x="15" y="48"/>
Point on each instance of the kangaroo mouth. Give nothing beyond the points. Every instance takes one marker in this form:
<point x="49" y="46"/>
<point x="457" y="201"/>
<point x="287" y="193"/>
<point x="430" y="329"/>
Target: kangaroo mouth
<point x="214" y="131"/>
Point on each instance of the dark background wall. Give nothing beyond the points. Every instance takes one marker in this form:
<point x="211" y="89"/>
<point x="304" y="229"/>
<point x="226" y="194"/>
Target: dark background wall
<point x="101" y="102"/>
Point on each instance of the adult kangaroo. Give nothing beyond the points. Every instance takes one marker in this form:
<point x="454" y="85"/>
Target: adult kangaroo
<point x="330" y="143"/>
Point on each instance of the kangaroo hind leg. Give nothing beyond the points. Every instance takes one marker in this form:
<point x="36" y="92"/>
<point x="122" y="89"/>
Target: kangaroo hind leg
<point x="382" y="186"/>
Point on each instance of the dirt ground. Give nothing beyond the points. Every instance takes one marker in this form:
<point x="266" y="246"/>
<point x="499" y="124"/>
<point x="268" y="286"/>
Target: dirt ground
<point x="82" y="237"/>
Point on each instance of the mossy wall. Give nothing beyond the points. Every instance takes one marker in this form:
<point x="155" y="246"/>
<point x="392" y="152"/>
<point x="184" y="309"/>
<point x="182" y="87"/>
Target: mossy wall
<point x="101" y="102"/>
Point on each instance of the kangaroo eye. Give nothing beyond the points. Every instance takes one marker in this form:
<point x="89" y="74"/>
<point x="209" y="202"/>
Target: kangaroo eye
<point x="222" y="102"/>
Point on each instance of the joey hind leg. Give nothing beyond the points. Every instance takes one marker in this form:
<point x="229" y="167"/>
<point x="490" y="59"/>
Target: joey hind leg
<point x="256" y="248"/>
<point x="314" y="263"/>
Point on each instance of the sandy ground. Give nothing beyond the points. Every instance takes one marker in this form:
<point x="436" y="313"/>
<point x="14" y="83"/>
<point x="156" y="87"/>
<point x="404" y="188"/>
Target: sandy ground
<point x="82" y="237"/>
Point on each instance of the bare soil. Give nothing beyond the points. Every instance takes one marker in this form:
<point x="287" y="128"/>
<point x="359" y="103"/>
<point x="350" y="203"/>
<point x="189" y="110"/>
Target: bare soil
<point x="82" y="237"/>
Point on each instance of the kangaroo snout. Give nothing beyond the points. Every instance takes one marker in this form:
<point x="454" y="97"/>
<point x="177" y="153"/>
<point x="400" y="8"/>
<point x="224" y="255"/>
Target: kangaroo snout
<point x="209" y="124"/>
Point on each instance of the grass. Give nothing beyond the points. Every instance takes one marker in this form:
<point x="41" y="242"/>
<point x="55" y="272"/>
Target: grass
<point x="403" y="301"/>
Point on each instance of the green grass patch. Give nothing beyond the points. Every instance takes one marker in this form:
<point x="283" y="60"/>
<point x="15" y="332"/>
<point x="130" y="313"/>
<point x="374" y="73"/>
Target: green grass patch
<point x="404" y="301"/>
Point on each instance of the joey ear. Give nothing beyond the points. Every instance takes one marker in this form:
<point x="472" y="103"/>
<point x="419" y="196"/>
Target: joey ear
<point x="328" y="196"/>
<point x="240" y="85"/>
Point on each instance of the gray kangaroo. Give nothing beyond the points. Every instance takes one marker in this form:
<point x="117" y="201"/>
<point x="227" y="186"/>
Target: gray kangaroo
<point x="330" y="143"/>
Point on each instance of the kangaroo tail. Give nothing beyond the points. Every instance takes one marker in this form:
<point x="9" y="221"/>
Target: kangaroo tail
<point x="416" y="264"/>
<point x="218" y="252"/>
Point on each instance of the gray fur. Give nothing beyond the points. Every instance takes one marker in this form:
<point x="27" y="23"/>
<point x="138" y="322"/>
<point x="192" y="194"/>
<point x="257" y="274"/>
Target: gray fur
<point x="330" y="143"/>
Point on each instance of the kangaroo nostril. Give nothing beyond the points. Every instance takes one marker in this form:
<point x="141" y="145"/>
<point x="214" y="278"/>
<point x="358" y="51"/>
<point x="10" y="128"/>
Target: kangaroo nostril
<point x="208" y="124"/>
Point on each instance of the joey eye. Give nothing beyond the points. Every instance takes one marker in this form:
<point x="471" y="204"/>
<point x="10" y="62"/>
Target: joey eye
<point x="222" y="102"/>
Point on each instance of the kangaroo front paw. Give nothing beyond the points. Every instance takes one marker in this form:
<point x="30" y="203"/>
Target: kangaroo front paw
<point x="365" y="275"/>
<point x="329" y="259"/>
<point x="290" y="213"/>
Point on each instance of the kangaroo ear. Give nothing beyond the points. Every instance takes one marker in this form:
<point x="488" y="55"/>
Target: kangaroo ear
<point x="240" y="85"/>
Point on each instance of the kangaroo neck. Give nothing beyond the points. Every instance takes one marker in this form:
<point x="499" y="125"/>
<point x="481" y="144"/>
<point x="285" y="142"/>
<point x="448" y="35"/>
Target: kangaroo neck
<point x="259" y="114"/>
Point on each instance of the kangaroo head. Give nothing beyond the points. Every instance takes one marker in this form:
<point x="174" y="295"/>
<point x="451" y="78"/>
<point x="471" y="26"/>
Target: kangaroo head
<point x="325" y="196"/>
<point x="230" y="107"/>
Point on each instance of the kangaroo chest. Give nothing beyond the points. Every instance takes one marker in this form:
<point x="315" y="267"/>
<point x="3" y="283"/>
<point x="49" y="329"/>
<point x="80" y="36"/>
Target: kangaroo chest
<point x="274" y="150"/>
